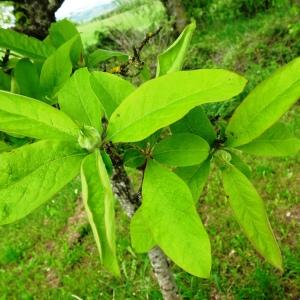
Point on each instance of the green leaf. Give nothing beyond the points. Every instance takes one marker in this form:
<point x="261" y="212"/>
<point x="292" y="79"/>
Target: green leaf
<point x="110" y="89"/>
<point x="101" y="55"/>
<point x="56" y="70"/>
<point x="170" y="214"/>
<point x="4" y="147"/>
<point x="195" y="177"/>
<point x="79" y="101"/>
<point x="172" y="59"/>
<point x="160" y="102"/>
<point x="249" y="211"/>
<point x="276" y="141"/>
<point x="29" y="117"/>
<point x="62" y="31"/>
<point x="133" y="158"/>
<point x="4" y="81"/>
<point x="33" y="174"/>
<point x="141" y="236"/>
<point x="99" y="203"/>
<point x="27" y="78"/>
<point x="239" y="163"/>
<point x="196" y="122"/>
<point x="181" y="150"/>
<point x="265" y="105"/>
<point x="24" y="45"/>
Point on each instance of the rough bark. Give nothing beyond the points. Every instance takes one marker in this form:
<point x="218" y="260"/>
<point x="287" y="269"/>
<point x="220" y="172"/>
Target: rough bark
<point x="130" y="202"/>
<point x="176" y="11"/>
<point x="34" y="17"/>
<point x="163" y="274"/>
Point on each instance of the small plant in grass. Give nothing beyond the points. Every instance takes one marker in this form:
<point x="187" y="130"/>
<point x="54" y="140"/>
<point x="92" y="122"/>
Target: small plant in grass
<point x="72" y="120"/>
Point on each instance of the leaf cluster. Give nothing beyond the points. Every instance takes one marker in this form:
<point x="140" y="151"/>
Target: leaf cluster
<point x="69" y="115"/>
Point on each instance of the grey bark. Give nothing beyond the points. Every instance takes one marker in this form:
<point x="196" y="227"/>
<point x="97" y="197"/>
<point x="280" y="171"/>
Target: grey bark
<point x="34" y="17"/>
<point x="163" y="274"/>
<point x="130" y="202"/>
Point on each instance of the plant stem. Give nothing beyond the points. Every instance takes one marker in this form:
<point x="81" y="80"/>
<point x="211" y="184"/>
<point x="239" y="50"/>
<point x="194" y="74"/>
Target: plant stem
<point x="130" y="202"/>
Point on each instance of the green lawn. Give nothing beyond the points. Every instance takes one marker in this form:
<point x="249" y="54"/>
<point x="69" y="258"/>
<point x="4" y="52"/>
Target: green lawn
<point x="50" y="255"/>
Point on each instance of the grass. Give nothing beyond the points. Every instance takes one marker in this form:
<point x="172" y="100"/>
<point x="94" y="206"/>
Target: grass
<point x="38" y="261"/>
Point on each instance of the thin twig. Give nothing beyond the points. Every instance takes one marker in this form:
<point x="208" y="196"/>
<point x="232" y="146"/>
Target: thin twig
<point x="135" y="60"/>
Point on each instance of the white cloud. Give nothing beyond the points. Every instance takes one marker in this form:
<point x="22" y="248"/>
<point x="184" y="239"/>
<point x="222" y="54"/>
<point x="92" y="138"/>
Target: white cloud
<point x="71" y="6"/>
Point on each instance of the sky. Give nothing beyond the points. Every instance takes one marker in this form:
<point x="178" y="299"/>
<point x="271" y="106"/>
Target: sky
<point x="71" y="6"/>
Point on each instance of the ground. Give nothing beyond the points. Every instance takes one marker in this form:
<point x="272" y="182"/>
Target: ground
<point x="51" y="253"/>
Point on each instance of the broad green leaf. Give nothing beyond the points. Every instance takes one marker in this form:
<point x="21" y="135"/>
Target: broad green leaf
<point x="62" y="31"/>
<point x="4" y="147"/>
<point x="162" y="101"/>
<point x="237" y="161"/>
<point x="56" y="70"/>
<point x="195" y="177"/>
<point x="170" y="214"/>
<point x="265" y="105"/>
<point x="101" y="55"/>
<point x="276" y="141"/>
<point x="172" y="59"/>
<point x="110" y="89"/>
<point x="99" y="204"/>
<point x="181" y="150"/>
<point x="249" y="211"/>
<point x="196" y="122"/>
<point x="24" y="45"/>
<point x="33" y="174"/>
<point x="25" y="116"/>
<point x="141" y="236"/>
<point x="4" y="81"/>
<point x="133" y="158"/>
<point x="78" y="100"/>
<point x="27" y="78"/>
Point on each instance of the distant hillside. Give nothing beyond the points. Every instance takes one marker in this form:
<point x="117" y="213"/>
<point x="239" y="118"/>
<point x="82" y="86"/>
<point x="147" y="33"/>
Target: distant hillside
<point x="90" y="13"/>
<point x="142" y="18"/>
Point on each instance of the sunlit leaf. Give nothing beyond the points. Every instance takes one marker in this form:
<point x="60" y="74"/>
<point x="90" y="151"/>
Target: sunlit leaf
<point x="33" y="174"/>
<point x="172" y="59"/>
<point x="276" y="141"/>
<point x="99" y="204"/>
<point x="110" y="89"/>
<point x="249" y="211"/>
<point x="180" y="150"/>
<point x="265" y="105"/>
<point x="170" y="214"/>
<point x="79" y="101"/>
<point x="29" y="117"/>
<point x="164" y="100"/>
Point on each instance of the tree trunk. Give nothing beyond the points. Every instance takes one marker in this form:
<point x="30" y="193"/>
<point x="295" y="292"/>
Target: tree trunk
<point x="176" y="11"/>
<point x="34" y="17"/>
